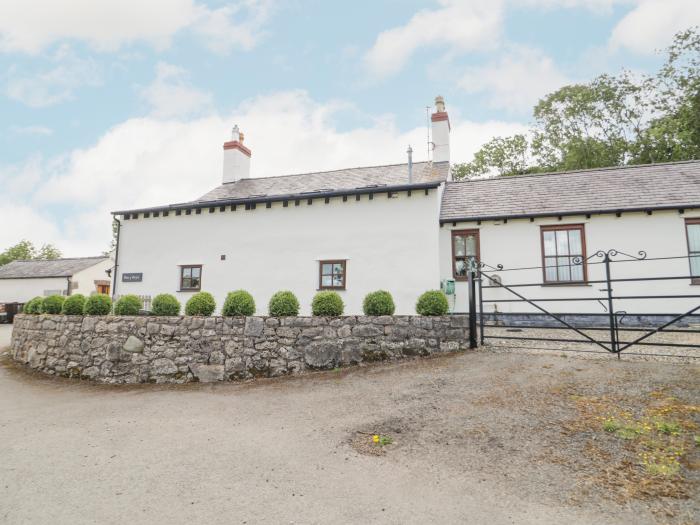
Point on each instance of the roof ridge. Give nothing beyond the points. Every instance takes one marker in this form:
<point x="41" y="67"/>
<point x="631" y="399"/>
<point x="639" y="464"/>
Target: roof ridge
<point x="330" y="171"/>
<point x="62" y="259"/>
<point x="585" y="170"/>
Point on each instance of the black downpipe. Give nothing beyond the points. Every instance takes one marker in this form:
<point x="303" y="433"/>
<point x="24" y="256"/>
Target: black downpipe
<point x="116" y="260"/>
<point x="471" y="282"/>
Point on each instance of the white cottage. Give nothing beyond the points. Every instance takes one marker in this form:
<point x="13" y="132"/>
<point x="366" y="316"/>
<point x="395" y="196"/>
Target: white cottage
<point x="406" y="228"/>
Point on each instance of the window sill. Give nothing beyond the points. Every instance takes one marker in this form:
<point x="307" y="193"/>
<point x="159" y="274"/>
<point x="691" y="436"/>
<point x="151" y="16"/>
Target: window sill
<point x="190" y="290"/>
<point x="330" y="289"/>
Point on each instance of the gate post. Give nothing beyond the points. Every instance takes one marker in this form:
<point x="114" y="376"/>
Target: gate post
<point x="471" y="285"/>
<point x="611" y="311"/>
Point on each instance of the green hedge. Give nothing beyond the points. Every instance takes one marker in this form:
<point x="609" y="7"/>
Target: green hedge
<point x="53" y="304"/>
<point x="201" y="303"/>
<point x="74" y="305"/>
<point x="34" y="306"/>
<point x="327" y="303"/>
<point x="432" y="302"/>
<point x="378" y="303"/>
<point x="165" y="304"/>
<point x="239" y="302"/>
<point x="98" y="304"/>
<point x="127" y="305"/>
<point x="283" y="304"/>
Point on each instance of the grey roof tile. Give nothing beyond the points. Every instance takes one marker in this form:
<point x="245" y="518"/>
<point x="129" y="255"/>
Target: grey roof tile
<point x="54" y="268"/>
<point x="648" y="186"/>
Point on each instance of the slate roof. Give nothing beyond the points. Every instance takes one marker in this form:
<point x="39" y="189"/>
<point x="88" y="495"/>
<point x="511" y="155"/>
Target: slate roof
<point x="326" y="181"/>
<point x="644" y="187"/>
<point x="54" y="268"/>
<point x="317" y="184"/>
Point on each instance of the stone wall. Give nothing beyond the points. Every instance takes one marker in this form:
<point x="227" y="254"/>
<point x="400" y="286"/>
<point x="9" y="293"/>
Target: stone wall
<point x="114" y="349"/>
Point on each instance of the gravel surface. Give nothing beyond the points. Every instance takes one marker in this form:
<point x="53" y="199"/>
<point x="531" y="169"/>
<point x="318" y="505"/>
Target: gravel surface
<point x="5" y="335"/>
<point x="476" y="437"/>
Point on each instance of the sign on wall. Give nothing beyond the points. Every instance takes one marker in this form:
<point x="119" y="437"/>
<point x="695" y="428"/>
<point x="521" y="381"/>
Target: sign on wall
<point x="132" y="277"/>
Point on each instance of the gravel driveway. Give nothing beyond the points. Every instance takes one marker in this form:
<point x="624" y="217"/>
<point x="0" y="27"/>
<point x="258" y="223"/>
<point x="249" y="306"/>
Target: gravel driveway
<point x="5" y="335"/>
<point x="477" y="438"/>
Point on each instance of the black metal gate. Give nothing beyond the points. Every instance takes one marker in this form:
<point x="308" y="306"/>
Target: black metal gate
<point x="610" y="335"/>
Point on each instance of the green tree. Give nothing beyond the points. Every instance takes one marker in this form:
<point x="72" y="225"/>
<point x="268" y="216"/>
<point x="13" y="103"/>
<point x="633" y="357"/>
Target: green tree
<point x="25" y="250"/>
<point x="507" y="156"/>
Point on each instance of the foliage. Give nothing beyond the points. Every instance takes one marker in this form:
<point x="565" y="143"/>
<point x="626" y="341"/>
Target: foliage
<point x="283" y="303"/>
<point x="327" y="303"/>
<point x="25" y="250"/>
<point x="381" y="440"/>
<point x="609" y="121"/>
<point x="34" y="306"/>
<point x="378" y="303"/>
<point x="239" y="302"/>
<point x="165" y="304"/>
<point x="74" y="305"/>
<point x="201" y="303"/>
<point x="432" y="302"/>
<point x="128" y="305"/>
<point x="53" y="304"/>
<point x="98" y="304"/>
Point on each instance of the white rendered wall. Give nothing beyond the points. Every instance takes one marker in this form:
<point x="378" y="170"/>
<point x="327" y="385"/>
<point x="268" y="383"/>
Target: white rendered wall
<point x="390" y="244"/>
<point x="517" y="244"/>
<point x="86" y="278"/>
<point x="21" y="290"/>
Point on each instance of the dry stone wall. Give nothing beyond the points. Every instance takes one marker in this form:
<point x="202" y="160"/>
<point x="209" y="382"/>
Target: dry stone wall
<point x="113" y="349"/>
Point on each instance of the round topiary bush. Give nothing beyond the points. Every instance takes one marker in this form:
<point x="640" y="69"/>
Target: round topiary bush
<point x="283" y="304"/>
<point x="127" y="305"/>
<point x="165" y="304"/>
<point x="34" y="306"/>
<point x="98" y="304"/>
<point x="239" y="302"/>
<point x="432" y="302"/>
<point x="327" y="303"/>
<point x="378" y="303"/>
<point x="53" y="304"/>
<point x="201" y="303"/>
<point x="73" y="305"/>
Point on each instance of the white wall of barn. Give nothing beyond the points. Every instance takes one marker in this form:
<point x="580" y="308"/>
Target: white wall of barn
<point x="21" y="290"/>
<point x="517" y="244"/>
<point x="389" y="243"/>
<point x="86" y="278"/>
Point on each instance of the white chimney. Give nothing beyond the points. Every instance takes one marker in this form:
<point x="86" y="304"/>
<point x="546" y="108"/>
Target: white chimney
<point x="236" y="158"/>
<point x="441" y="132"/>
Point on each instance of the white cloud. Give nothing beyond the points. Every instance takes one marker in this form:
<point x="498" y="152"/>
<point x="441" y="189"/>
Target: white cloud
<point x="30" y="26"/>
<point x="516" y="81"/>
<point x="459" y="25"/>
<point x="597" y="6"/>
<point x="651" y="25"/>
<point x="32" y="130"/>
<point x="150" y="161"/>
<point x="56" y="84"/>
<point x="171" y="95"/>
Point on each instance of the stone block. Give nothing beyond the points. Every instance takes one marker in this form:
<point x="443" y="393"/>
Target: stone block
<point x="207" y="373"/>
<point x="133" y="345"/>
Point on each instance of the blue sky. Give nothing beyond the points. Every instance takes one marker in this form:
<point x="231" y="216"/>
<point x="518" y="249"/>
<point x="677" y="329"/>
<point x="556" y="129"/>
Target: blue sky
<point x="107" y="105"/>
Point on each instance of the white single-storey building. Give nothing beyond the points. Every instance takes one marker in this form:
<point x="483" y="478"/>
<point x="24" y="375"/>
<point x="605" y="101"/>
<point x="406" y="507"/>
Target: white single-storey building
<point x="408" y="228"/>
<point x="23" y="280"/>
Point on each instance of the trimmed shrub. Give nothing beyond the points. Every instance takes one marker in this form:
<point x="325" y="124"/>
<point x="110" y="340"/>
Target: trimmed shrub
<point x="201" y="303"/>
<point x="327" y="303"/>
<point x="432" y="302"/>
<point x="127" y="305"/>
<point x="34" y="306"/>
<point x="378" y="303"/>
<point x="53" y="304"/>
<point x="98" y="304"/>
<point x="165" y="304"/>
<point x="283" y="304"/>
<point x="239" y="302"/>
<point x="73" y="305"/>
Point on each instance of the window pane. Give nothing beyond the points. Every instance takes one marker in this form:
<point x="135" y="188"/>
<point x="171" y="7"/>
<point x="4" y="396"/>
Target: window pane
<point x="471" y="245"/>
<point x="549" y="243"/>
<point x="326" y="280"/>
<point x="196" y="272"/>
<point x="550" y="269"/>
<point x="337" y="280"/>
<point x="575" y="242"/>
<point x="338" y="268"/>
<point x="694" y="237"/>
<point x="564" y="269"/>
<point x="186" y="272"/>
<point x="695" y="266"/>
<point x="460" y="268"/>
<point x="195" y="282"/>
<point x="326" y="269"/>
<point x="186" y="283"/>
<point x="576" y="271"/>
<point x="562" y="242"/>
<point x="460" y="246"/>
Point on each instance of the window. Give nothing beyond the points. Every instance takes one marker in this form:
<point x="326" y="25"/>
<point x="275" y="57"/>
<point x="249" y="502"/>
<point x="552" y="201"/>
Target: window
<point x="190" y="277"/>
<point x="692" y="230"/>
<point x="561" y="246"/>
<point x="465" y="245"/>
<point x="332" y="275"/>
